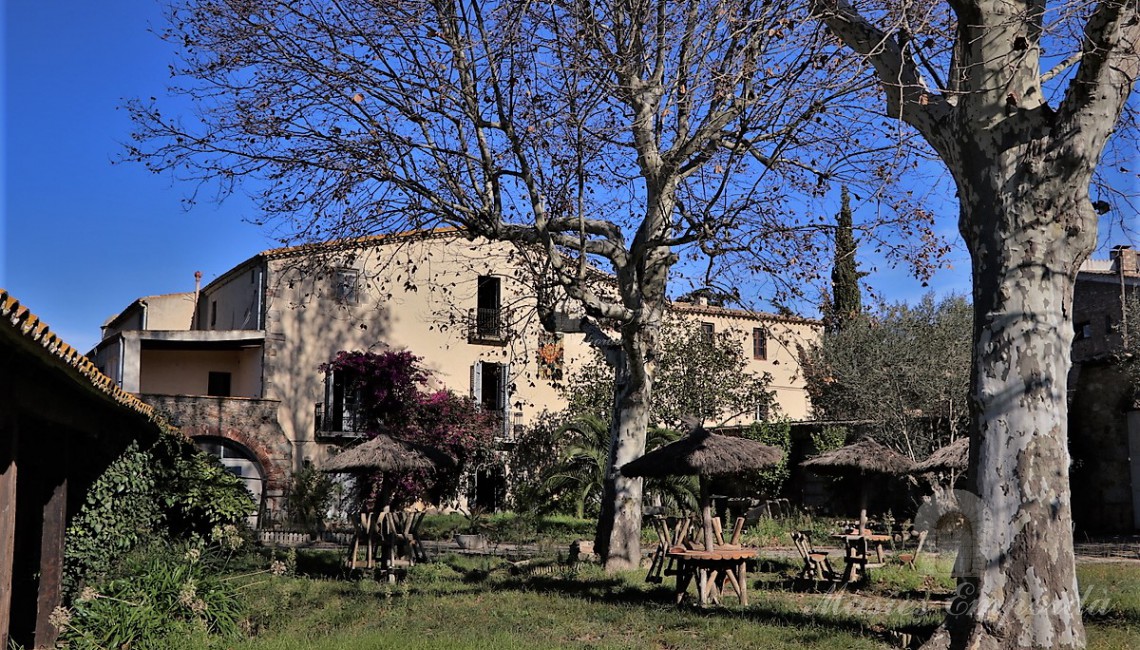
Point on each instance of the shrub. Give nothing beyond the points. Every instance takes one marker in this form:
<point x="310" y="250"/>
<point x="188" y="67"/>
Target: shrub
<point x="158" y="592"/>
<point x="120" y="511"/>
<point x="172" y="489"/>
<point x="195" y="491"/>
<point x="308" y="497"/>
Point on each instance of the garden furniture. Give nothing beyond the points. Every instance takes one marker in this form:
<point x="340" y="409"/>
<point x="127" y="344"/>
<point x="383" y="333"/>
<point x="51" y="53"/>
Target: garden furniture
<point x="856" y="553"/>
<point x="711" y="570"/>
<point x="816" y="565"/>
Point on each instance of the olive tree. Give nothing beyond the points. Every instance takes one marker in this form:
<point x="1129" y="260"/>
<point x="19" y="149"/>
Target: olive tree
<point x="1018" y="99"/>
<point x="903" y="369"/>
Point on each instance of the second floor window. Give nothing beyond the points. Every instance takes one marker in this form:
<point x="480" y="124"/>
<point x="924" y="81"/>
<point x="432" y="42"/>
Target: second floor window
<point x="488" y="316"/>
<point x="341" y="409"/>
<point x="759" y="343"/>
<point x="218" y="384"/>
<point x="490" y="385"/>
<point x="709" y="331"/>
<point x="344" y="288"/>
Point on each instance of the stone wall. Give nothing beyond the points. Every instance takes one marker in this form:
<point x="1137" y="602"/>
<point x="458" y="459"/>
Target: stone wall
<point x="1097" y="317"/>
<point x="252" y="423"/>
<point x="1098" y="442"/>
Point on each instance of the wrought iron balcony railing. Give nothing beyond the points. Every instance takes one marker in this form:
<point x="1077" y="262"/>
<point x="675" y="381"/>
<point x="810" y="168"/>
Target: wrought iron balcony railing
<point x="488" y="325"/>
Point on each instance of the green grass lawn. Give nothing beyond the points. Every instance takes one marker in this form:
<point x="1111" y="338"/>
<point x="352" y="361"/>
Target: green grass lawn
<point x="464" y="603"/>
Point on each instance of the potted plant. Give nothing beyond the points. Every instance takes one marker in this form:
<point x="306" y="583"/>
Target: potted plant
<point x="471" y="537"/>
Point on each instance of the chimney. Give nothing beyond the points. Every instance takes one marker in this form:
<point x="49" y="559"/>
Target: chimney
<point x="1125" y="260"/>
<point x="197" y="290"/>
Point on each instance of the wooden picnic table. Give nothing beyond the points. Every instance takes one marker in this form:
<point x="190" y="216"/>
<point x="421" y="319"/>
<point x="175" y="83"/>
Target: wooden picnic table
<point x="856" y="548"/>
<point x="391" y="535"/>
<point x="711" y="570"/>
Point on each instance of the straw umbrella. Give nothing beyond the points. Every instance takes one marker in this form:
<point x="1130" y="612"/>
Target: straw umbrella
<point x="954" y="457"/>
<point x="704" y="454"/>
<point x="862" y="458"/>
<point x="385" y="454"/>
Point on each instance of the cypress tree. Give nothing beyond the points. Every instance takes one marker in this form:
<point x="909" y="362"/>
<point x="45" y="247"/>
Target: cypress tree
<point x="846" y="302"/>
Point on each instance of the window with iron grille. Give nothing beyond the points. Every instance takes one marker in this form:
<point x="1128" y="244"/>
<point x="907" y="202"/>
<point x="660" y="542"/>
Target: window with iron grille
<point x="488" y="317"/>
<point x="341" y="410"/>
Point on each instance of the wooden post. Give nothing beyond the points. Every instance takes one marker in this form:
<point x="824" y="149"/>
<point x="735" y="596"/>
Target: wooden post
<point x="862" y="504"/>
<point x="706" y="513"/>
<point x="54" y="486"/>
<point x="742" y="581"/>
<point x="8" y="467"/>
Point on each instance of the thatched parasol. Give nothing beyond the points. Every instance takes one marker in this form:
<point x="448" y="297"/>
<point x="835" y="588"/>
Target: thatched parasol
<point x="387" y="454"/>
<point x="704" y="454"/>
<point x="383" y="454"/>
<point x="953" y="457"/>
<point x="860" y="458"/>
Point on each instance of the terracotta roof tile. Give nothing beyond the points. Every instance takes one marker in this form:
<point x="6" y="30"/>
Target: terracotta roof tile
<point x="725" y="312"/>
<point x="355" y="242"/>
<point x="30" y="327"/>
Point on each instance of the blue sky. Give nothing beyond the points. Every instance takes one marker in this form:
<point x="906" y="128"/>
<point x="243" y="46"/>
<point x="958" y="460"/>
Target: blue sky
<point x="83" y="237"/>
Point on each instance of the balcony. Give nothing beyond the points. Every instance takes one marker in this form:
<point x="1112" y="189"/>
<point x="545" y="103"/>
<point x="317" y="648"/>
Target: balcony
<point x="488" y="326"/>
<point x="342" y="425"/>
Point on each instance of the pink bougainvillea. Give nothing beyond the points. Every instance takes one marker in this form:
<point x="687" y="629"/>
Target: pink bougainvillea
<point x="392" y="398"/>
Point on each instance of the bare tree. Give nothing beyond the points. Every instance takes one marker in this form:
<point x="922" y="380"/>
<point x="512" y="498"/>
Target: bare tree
<point x="617" y="134"/>
<point x="1018" y="98"/>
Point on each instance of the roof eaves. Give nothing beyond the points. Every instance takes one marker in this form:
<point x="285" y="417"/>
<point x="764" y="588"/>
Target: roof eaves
<point x="726" y="312"/>
<point x="358" y="242"/>
<point x="29" y="326"/>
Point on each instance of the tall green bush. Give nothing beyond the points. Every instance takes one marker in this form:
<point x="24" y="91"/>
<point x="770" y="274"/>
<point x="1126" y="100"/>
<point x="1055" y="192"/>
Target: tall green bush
<point x="778" y="434"/>
<point x="308" y="497"/>
<point x="120" y="511"/>
<point x="195" y="491"/>
<point x="171" y="489"/>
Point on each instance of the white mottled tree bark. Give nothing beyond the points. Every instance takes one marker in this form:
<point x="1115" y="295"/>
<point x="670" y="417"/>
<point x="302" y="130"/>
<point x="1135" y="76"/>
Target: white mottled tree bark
<point x="1022" y="169"/>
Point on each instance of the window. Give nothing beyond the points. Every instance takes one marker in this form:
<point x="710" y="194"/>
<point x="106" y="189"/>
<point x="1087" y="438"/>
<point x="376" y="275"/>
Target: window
<point x="218" y="384"/>
<point x="709" y="331"/>
<point x="488" y="318"/>
<point x="762" y="412"/>
<point x="491" y="388"/>
<point x="213" y="313"/>
<point x="1082" y="330"/>
<point x="344" y="287"/>
<point x="340" y="412"/>
<point x="759" y="343"/>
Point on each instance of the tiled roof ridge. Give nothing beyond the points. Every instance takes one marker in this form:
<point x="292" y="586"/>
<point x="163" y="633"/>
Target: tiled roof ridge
<point x="711" y="310"/>
<point x="31" y="328"/>
<point x="352" y="242"/>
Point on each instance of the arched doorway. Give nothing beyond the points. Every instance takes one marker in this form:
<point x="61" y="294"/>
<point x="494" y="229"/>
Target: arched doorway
<point x="241" y="462"/>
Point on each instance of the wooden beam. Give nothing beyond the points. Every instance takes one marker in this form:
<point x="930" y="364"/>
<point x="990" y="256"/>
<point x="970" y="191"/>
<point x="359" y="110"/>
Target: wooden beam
<point x="8" y="446"/>
<point x="51" y="546"/>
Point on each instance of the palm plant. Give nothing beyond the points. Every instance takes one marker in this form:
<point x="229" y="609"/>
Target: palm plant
<point x="579" y="476"/>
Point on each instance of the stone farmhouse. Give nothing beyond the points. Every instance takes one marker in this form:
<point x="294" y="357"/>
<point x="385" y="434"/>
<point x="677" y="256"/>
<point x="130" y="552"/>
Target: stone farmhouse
<point x="1104" y="410"/>
<point x="236" y="363"/>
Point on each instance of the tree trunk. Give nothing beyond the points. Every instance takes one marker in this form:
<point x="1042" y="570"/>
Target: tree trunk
<point x="618" y="537"/>
<point x="1027" y="235"/>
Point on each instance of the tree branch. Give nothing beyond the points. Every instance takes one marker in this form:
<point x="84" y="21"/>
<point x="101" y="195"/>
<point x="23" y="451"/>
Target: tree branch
<point x="907" y="96"/>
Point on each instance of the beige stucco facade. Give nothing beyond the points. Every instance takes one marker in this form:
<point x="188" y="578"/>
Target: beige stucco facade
<point x="466" y="308"/>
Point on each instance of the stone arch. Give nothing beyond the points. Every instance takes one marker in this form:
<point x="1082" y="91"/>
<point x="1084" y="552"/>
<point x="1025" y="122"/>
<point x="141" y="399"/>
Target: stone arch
<point x="276" y="467"/>
<point x="240" y="461"/>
